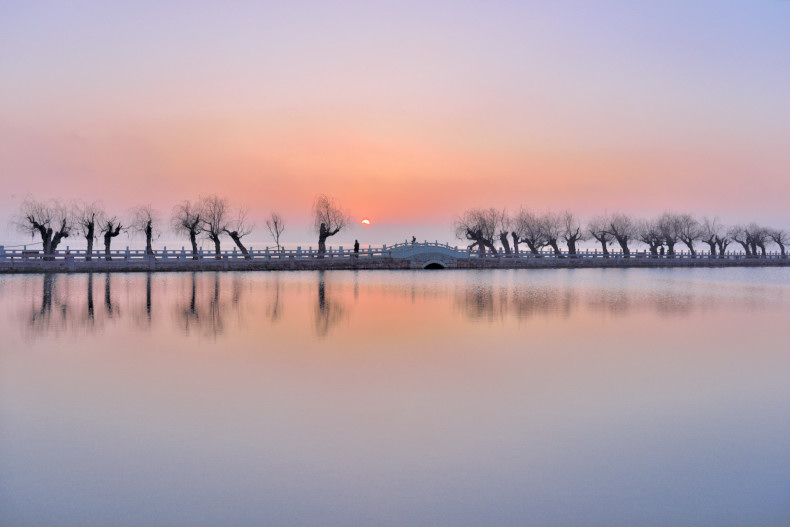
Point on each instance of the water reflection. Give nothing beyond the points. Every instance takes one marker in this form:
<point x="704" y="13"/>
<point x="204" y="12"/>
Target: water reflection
<point x="329" y="310"/>
<point x="202" y="302"/>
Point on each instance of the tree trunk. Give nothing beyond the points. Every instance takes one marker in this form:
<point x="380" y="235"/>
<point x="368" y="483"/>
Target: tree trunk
<point x="604" y="249"/>
<point x="322" y="244"/>
<point x="55" y="241"/>
<point x="534" y="249"/>
<point x="571" y="247"/>
<point x="217" y="253"/>
<point x="515" y="243"/>
<point x="782" y="249"/>
<point x="670" y="249"/>
<point x="149" y="232"/>
<point x="556" y="248"/>
<point x="505" y="243"/>
<point x="89" y="238"/>
<point x="193" y="241"/>
<point x="107" y="242"/>
<point x="235" y="237"/>
<point x="624" y="246"/>
<point x="712" y="246"/>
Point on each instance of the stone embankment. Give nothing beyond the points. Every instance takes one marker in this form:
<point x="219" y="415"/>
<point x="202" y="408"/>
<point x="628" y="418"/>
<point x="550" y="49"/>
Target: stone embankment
<point x="425" y="255"/>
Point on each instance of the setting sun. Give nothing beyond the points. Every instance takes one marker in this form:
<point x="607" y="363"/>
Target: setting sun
<point x="365" y="221"/>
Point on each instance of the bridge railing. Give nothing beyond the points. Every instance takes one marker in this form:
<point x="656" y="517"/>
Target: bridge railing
<point x="398" y="250"/>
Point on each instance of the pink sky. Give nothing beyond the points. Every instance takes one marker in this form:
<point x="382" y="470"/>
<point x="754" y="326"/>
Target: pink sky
<point x="407" y="115"/>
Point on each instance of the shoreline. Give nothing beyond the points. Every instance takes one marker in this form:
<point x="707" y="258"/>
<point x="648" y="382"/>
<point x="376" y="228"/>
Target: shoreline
<point x="378" y="263"/>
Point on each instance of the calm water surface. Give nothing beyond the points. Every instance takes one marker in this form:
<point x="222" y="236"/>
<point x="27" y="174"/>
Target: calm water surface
<point x="556" y="397"/>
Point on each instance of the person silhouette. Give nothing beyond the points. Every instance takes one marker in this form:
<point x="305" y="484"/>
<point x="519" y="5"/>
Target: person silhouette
<point x="356" y="246"/>
<point x="413" y="240"/>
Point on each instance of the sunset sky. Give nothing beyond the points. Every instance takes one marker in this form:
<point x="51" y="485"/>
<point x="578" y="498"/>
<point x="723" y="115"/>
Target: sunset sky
<point x="406" y="112"/>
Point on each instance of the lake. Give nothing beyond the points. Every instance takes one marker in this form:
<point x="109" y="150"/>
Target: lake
<point x="651" y="397"/>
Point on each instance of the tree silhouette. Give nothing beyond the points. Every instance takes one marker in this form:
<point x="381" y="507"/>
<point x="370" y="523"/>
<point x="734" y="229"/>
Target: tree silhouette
<point x="144" y="220"/>
<point x="214" y="211"/>
<point x="110" y="229"/>
<point x="237" y="228"/>
<point x="187" y="219"/>
<point x="87" y="216"/>
<point x="276" y="226"/>
<point x="329" y="218"/>
<point x="51" y="220"/>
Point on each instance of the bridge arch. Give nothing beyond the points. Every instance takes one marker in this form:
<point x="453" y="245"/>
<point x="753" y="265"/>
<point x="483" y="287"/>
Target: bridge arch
<point x="434" y="264"/>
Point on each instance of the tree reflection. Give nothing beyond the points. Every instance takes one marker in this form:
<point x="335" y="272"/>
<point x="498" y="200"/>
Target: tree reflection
<point x="329" y="310"/>
<point x="91" y="311"/>
<point x="110" y="307"/>
<point x="274" y="309"/>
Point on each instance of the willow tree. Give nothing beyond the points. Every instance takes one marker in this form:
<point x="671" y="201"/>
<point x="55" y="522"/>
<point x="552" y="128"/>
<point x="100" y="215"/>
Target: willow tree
<point x="710" y="231"/>
<point x="528" y="228"/>
<point x="88" y="218"/>
<point x="504" y="228"/>
<point x="237" y="228"/>
<point x="480" y="227"/>
<point x="214" y="217"/>
<point x="51" y="220"/>
<point x="329" y="218"/>
<point x="145" y="220"/>
<point x="689" y="231"/>
<point x="572" y="232"/>
<point x="669" y="227"/>
<point x="649" y="233"/>
<point x="598" y="227"/>
<point x="187" y="219"/>
<point x="111" y="227"/>
<point x="780" y="238"/>
<point x="623" y="228"/>
<point x="552" y="228"/>
<point x="740" y="235"/>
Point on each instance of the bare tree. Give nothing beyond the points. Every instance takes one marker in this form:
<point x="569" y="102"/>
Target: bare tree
<point x="598" y="228"/>
<point x="504" y="228"/>
<point x="214" y="216"/>
<point x="276" y="226"/>
<point x="529" y="229"/>
<point x="758" y="236"/>
<point x="111" y="227"/>
<point x="572" y="232"/>
<point x="480" y="227"/>
<point x="237" y="228"/>
<point x="144" y="220"/>
<point x="87" y="216"/>
<point x="51" y="220"/>
<point x="649" y="233"/>
<point x="723" y="241"/>
<point x="709" y="231"/>
<point x="624" y="229"/>
<point x="552" y="228"/>
<point x="187" y="219"/>
<point x="780" y="238"/>
<point x="669" y="226"/>
<point x="329" y="218"/>
<point x="740" y="235"/>
<point x="689" y="231"/>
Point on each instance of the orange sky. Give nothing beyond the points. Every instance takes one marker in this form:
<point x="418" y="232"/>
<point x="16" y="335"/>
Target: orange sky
<point x="407" y="116"/>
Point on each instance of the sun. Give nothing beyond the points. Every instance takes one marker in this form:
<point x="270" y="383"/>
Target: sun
<point x="365" y="221"/>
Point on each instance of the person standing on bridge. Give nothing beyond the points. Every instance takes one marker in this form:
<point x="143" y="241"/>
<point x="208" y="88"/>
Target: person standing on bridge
<point x="413" y="240"/>
<point x="356" y="247"/>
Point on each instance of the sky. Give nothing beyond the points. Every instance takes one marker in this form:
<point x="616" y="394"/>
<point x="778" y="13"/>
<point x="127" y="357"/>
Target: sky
<point x="408" y="113"/>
